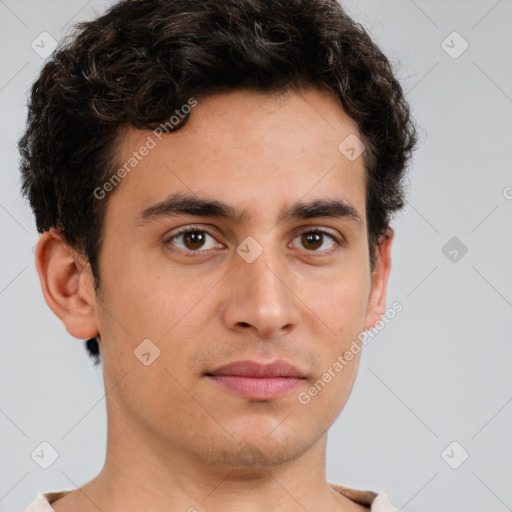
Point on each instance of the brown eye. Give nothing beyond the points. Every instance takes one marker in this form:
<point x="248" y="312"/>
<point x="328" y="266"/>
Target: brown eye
<point x="312" y="240"/>
<point x="191" y="240"/>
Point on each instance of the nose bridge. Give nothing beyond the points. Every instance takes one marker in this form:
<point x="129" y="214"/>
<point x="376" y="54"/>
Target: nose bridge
<point x="261" y="296"/>
<point x="263" y="278"/>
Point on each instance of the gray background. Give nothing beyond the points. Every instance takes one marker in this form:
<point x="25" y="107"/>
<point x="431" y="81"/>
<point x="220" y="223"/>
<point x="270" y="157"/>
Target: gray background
<point x="438" y="373"/>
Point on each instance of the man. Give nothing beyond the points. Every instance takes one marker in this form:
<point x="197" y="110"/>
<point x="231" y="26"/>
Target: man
<point x="214" y="183"/>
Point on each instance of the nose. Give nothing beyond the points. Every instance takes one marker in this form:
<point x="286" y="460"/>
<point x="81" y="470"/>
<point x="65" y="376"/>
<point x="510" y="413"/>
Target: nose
<point x="261" y="297"/>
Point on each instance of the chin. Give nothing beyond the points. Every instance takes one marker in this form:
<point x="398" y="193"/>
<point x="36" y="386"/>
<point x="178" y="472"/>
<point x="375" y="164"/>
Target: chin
<point x="257" y="451"/>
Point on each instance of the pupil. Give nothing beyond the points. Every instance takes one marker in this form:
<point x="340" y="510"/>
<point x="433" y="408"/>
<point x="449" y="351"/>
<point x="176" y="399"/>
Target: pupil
<point x="196" y="239"/>
<point x="314" y="237"/>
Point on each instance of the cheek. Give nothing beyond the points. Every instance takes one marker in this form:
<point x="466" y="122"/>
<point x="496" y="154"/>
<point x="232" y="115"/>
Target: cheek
<point x="329" y="391"/>
<point x="141" y="299"/>
<point x="340" y="299"/>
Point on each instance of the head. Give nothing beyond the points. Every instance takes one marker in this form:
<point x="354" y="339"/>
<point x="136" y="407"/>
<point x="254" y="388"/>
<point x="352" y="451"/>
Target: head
<point x="247" y="110"/>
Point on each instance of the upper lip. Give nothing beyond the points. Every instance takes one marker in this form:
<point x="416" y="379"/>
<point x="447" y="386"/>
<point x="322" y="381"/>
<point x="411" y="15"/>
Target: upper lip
<point x="279" y="368"/>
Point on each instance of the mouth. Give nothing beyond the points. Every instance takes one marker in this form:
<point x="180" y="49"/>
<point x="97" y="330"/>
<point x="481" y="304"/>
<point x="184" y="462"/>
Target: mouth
<point x="257" y="381"/>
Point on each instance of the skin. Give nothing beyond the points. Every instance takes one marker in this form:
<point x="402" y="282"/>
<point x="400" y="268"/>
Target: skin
<point x="176" y="439"/>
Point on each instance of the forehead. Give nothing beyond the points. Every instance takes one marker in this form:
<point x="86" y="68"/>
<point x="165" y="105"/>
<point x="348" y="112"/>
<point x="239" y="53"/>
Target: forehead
<point x="243" y="146"/>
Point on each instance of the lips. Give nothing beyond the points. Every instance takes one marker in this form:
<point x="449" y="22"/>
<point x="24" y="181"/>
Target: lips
<point x="257" y="381"/>
<point x="278" y="368"/>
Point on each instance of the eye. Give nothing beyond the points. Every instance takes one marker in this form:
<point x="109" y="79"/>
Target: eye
<point x="314" y="238"/>
<point x="190" y="240"/>
<point x="193" y="240"/>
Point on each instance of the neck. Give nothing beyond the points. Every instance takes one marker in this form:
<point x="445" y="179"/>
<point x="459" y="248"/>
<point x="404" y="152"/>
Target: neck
<point x="137" y="476"/>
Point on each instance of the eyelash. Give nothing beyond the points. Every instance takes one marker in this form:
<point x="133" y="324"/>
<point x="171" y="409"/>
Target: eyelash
<point x="192" y="229"/>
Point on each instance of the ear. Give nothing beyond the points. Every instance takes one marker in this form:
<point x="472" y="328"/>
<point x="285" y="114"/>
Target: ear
<point x="377" y="299"/>
<point x="67" y="284"/>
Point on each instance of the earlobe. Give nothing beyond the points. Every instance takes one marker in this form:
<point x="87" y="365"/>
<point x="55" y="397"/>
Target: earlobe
<point x="67" y="284"/>
<point x="377" y="300"/>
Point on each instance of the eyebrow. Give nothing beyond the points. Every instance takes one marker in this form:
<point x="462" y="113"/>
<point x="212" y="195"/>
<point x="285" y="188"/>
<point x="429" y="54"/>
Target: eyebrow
<point x="182" y="204"/>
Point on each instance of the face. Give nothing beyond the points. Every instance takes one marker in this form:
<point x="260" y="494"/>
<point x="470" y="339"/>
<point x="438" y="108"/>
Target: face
<point x="207" y="287"/>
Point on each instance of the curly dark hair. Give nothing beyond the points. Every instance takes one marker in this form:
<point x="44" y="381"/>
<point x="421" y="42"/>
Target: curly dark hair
<point x="143" y="59"/>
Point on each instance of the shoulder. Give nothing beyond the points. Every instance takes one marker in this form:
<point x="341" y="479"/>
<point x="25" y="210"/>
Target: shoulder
<point x="42" y="502"/>
<point x="377" y="502"/>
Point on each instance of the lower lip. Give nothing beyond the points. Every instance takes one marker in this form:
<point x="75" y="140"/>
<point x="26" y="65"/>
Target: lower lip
<point x="258" y="388"/>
